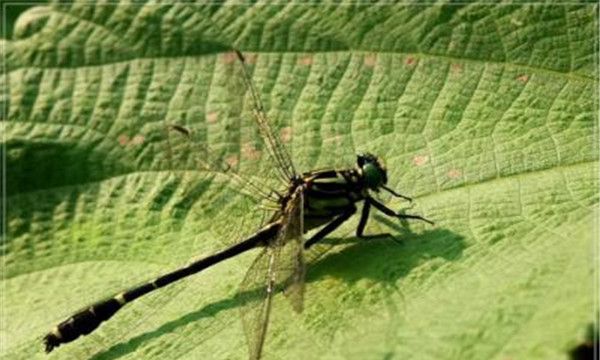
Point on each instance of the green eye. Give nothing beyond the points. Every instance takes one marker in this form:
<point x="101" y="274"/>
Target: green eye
<point x="372" y="175"/>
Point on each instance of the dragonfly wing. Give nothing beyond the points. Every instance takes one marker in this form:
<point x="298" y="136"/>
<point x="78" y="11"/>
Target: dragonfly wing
<point x="257" y="295"/>
<point x="187" y="150"/>
<point x="277" y="151"/>
<point x="291" y="268"/>
<point x="280" y="263"/>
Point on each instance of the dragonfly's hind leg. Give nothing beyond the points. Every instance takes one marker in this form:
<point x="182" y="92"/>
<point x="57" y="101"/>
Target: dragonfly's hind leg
<point x="330" y="227"/>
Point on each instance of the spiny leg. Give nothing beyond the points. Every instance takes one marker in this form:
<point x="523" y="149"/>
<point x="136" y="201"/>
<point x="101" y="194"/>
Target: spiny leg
<point x="364" y="217"/>
<point x="391" y="191"/>
<point x="389" y="212"/>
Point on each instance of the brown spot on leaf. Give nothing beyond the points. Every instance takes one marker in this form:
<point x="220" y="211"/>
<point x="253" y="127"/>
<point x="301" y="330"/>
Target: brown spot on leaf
<point x="306" y="60"/>
<point x="232" y="160"/>
<point x="212" y="117"/>
<point x="454" y="174"/>
<point x="456" y="68"/>
<point x="370" y="60"/>
<point x="285" y="134"/>
<point x="250" y="152"/>
<point x="250" y="58"/>
<point x="123" y="140"/>
<point x="420" y="160"/>
<point x="228" y="57"/>
<point x="337" y="140"/>
<point x="410" y="61"/>
<point x="138" y="140"/>
<point x="523" y="78"/>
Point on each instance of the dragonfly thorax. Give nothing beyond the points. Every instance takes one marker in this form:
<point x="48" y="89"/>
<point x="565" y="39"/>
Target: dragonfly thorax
<point x="373" y="171"/>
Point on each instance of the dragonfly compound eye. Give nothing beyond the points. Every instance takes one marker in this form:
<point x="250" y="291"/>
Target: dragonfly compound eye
<point x="374" y="175"/>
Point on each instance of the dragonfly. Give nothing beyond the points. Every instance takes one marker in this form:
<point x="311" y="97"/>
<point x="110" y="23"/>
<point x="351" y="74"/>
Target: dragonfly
<point x="320" y="199"/>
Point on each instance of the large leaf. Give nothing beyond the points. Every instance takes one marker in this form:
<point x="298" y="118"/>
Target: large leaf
<point x="485" y="114"/>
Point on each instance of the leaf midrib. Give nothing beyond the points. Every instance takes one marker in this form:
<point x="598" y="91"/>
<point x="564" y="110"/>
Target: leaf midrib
<point x="527" y="69"/>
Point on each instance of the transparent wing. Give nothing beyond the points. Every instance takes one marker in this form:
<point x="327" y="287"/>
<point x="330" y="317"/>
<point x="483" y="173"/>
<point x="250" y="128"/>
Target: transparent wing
<point x="281" y="263"/>
<point x="291" y="267"/>
<point x="257" y="293"/>
<point x="277" y="151"/>
<point x="186" y="150"/>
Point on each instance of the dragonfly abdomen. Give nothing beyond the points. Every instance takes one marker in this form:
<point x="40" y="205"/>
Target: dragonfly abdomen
<point x="82" y="323"/>
<point x="87" y="320"/>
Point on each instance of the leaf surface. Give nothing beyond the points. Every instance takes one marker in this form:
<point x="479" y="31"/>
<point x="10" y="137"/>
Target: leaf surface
<point x="485" y="114"/>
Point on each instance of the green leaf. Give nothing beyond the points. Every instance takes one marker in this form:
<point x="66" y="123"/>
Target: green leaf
<point x="485" y="114"/>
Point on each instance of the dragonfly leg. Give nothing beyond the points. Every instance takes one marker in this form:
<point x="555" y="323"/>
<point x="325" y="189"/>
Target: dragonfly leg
<point x="334" y="224"/>
<point x="389" y="212"/>
<point x="364" y="217"/>
<point x="391" y="191"/>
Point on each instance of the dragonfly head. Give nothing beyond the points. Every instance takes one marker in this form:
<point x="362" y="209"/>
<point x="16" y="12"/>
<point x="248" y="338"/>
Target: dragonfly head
<point x="373" y="169"/>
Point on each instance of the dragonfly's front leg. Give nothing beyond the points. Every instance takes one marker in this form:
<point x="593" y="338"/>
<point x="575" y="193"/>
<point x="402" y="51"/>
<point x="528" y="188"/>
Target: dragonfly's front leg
<point x="391" y="191"/>
<point x="389" y="212"/>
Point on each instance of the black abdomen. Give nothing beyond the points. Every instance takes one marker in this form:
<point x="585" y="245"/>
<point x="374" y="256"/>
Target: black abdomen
<point x="82" y="323"/>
